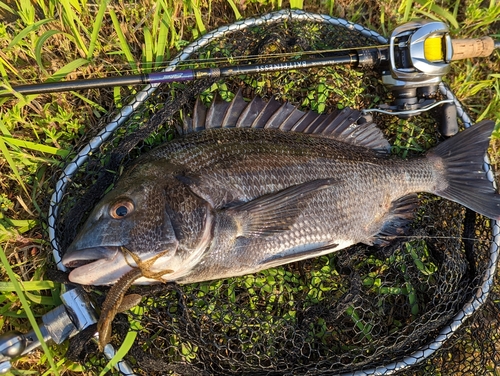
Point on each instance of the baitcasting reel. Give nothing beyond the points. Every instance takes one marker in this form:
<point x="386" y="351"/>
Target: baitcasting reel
<point x="419" y="56"/>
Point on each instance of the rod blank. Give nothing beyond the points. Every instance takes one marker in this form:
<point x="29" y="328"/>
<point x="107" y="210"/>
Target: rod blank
<point x="371" y="56"/>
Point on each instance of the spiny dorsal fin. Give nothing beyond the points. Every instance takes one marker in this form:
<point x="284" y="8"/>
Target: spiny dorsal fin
<point x="347" y="125"/>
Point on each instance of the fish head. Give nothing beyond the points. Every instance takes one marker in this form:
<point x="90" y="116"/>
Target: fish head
<point x="130" y="227"/>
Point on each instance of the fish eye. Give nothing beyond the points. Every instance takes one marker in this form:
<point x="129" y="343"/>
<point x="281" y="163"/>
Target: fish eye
<point x="121" y="209"/>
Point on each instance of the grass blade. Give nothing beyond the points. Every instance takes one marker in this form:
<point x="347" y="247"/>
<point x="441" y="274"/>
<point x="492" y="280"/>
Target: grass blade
<point x="35" y="146"/>
<point x="123" y="41"/>
<point x="70" y="21"/>
<point x="89" y="102"/>
<point x="195" y="5"/>
<point x="67" y="69"/>
<point x="296" y="4"/>
<point x="407" y="5"/>
<point x="39" y="299"/>
<point x="8" y="157"/>
<point x="39" y="46"/>
<point x="167" y="20"/>
<point x="456" y="8"/>
<point x="443" y="13"/>
<point x="96" y="27"/>
<point x="27" y="30"/>
<point x="237" y="13"/>
<point x="21" y="225"/>
<point x="3" y="72"/>
<point x="5" y="64"/>
<point x="161" y="44"/>
<point x="27" y="309"/>
<point x="6" y="7"/>
<point x="26" y="11"/>
<point x="29" y="286"/>
<point x="160" y="49"/>
<point x="148" y="49"/>
<point x="76" y="4"/>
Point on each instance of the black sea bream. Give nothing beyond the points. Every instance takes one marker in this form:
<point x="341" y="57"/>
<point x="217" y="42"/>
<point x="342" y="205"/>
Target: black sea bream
<point x="255" y="185"/>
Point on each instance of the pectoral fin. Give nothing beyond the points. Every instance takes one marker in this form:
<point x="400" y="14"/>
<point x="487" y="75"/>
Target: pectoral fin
<point x="275" y="212"/>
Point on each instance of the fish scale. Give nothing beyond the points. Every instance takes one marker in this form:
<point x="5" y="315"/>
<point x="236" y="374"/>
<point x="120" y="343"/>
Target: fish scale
<point x="289" y="167"/>
<point x="238" y="193"/>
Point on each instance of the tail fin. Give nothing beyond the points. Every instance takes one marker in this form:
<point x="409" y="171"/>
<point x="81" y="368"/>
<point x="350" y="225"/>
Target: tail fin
<point x="463" y="159"/>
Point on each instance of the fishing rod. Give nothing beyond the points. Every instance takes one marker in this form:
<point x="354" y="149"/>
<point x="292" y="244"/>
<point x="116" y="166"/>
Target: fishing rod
<point x="371" y="56"/>
<point x="412" y="66"/>
<point x="418" y="51"/>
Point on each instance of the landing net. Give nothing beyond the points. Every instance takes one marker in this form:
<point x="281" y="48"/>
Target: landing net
<point x="425" y="305"/>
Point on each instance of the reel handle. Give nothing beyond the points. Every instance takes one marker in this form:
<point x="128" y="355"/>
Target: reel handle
<point x="467" y="48"/>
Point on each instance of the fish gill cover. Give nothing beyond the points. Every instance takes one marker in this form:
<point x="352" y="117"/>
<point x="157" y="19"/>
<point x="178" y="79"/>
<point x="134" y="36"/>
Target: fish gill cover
<point x="355" y="309"/>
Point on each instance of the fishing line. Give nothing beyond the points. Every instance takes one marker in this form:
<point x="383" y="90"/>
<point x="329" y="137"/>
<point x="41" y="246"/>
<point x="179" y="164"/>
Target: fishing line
<point x="189" y="62"/>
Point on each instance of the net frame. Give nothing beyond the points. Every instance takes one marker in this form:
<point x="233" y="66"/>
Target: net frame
<point x="425" y="352"/>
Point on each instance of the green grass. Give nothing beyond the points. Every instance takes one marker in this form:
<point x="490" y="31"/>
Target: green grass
<point x="53" y="40"/>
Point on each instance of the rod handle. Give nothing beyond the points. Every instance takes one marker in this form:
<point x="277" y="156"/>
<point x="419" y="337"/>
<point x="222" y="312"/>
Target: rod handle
<point x="467" y="48"/>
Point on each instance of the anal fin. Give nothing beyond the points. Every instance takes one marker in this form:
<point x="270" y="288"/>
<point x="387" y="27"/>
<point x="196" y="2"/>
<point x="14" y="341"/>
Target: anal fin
<point x="397" y="221"/>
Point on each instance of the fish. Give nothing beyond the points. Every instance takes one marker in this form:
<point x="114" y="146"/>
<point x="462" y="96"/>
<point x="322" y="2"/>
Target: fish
<point x="252" y="185"/>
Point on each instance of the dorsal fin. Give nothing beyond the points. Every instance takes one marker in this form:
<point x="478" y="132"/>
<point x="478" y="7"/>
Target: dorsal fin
<point x="347" y="125"/>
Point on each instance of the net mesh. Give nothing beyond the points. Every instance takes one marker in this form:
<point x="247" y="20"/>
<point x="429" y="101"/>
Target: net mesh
<point x="363" y="309"/>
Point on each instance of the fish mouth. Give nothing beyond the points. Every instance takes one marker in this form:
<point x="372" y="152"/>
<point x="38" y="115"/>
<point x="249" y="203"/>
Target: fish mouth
<point x="81" y="257"/>
<point x="96" y="266"/>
